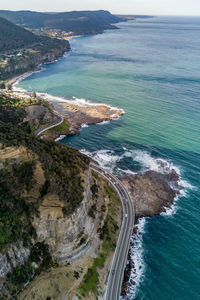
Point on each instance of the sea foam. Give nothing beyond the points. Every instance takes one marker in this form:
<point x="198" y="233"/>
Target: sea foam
<point x="137" y="256"/>
<point x="109" y="160"/>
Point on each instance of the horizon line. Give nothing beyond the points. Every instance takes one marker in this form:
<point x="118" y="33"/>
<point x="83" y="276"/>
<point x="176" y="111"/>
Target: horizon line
<point x="117" y="13"/>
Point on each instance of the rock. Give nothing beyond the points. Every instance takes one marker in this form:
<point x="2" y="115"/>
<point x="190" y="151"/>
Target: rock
<point x="16" y="255"/>
<point x="38" y="115"/>
<point x="59" y="231"/>
<point x="78" y="113"/>
<point x="152" y="192"/>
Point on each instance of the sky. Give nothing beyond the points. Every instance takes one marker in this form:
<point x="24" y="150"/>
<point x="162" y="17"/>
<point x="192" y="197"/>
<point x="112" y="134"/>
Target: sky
<point x="147" y="7"/>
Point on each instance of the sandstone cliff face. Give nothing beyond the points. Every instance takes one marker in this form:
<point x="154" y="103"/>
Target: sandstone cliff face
<point x="38" y="115"/>
<point x="32" y="60"/>
<point x="61" y="232"/>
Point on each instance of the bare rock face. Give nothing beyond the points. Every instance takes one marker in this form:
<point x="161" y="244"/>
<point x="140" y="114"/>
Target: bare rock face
<point x="38" y="115"/>
<point x="59" y="231"/>
<point x="16" y="255"/>
<point x="152" y="192"/>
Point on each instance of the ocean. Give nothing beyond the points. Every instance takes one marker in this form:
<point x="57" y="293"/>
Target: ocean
<point x="151" y="69"/>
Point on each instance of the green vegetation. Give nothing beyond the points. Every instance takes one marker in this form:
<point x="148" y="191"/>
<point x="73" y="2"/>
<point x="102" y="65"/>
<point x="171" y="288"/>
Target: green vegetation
<point x="14" y="213"/>
<point x="9" y="87"/>
<point x="108" y="236"/>
<point x="34" y="94"/>
<point x="91" y="279"/>
<point x="62" y="128"/>
<point x="20" y="196"/>
<point x="78" y="22"/>
<point x="62" y="164"/>
<point x="14" y="37"/>
<point x="39" y="256"/>
<point x="92" y="211"/>
<point x="21" y="50"/>
<point x="83" y="240"/>
<point x="2" y="85"/>
<point x="11" y="110"/>
<point x="23" y="171"/>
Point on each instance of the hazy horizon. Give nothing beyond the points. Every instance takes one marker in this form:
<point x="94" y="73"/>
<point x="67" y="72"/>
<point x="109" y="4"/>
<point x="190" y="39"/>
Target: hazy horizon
<point x="128" y="7"/>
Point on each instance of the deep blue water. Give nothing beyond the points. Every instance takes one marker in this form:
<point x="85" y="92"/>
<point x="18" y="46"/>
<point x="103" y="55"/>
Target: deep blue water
<point x="151" y="69"/>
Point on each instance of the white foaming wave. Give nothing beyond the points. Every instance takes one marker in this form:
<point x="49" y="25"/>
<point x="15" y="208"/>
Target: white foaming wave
<point x="162" y="166"/>
<point x="73" y="100"/>
<point x="104" y="122"/>
<point x="148" y="162"/>
<point x="84" y="125"/>
<point x="62" y="136"/>
<point x="129" y="172"/>
<point x="137" y="256"/>
<point x="79" y="102"/>
<point x="170" y="211"/>
<point x="108" y="160"/>
<point x="83" y="101"/>
<point x="105" y="158"/>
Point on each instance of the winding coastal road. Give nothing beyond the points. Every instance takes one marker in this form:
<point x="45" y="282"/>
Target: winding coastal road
<point x="119" y="261"/>
<point x="60" y="120"/>
<point x="116" y="274"/>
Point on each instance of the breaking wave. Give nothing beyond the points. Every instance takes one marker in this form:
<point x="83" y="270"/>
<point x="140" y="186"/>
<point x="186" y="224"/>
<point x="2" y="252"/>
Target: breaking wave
<point x="110" y="161"/>
<point x="137" y="257"/>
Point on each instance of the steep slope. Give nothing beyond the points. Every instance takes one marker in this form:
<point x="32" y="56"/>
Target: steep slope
<point x="36" y="178"/>
<point x="78" y="22"/>
<point x="21" y="50"/>
<point x="14" y="37"/>
<point x="55" y="214"/>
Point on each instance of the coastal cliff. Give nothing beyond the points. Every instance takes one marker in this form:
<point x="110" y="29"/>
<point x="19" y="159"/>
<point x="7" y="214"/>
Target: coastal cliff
<point x="30" y="59"/>
<point x="57" y="216"/>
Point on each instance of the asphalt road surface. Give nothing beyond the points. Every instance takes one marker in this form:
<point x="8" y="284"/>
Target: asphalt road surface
<point x="119" y="262"/>
<point x="60" y="120"/>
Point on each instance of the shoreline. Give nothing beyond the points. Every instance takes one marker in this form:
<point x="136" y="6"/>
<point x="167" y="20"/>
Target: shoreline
<point x="79" y="113"/>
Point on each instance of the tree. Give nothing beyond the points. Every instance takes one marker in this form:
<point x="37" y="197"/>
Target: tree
<point x="2" y="85"/>
<point x="9" y="87"/>
<point x="34" y="94"/>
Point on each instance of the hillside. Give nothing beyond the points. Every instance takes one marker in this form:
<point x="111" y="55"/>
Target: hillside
<point x="52" y="207"/>
<point x="14" y="37"/>
<point x="21" y="50"/>
<point x="78" y="22"/>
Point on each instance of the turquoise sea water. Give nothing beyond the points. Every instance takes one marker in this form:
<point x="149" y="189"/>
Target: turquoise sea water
<point x="151" y="69"/>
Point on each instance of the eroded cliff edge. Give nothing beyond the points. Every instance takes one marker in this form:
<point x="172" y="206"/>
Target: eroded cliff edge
<point x="59" y="221"/>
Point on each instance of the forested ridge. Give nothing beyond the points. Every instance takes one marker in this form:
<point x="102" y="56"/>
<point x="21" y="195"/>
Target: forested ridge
<point x="15" y="37"/>
<point x="78" y="22"/>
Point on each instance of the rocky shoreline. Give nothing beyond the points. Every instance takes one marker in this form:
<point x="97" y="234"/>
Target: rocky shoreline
<point x="152" y="193"/>
<point x="79" y="113"/>
<point x="76" y="112"/>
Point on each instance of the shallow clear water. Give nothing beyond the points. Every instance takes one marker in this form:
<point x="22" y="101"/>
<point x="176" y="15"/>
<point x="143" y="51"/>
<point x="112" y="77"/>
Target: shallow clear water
<point x="151" y="69"/>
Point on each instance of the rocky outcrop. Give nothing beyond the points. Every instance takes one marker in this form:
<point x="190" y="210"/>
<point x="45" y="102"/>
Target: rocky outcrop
<point x="16" y="255"/>
<point x="82" y="112"/>
<point x="38" y="115"/>
<point x="152" y="192"/>
<point x="60" y="231"/>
